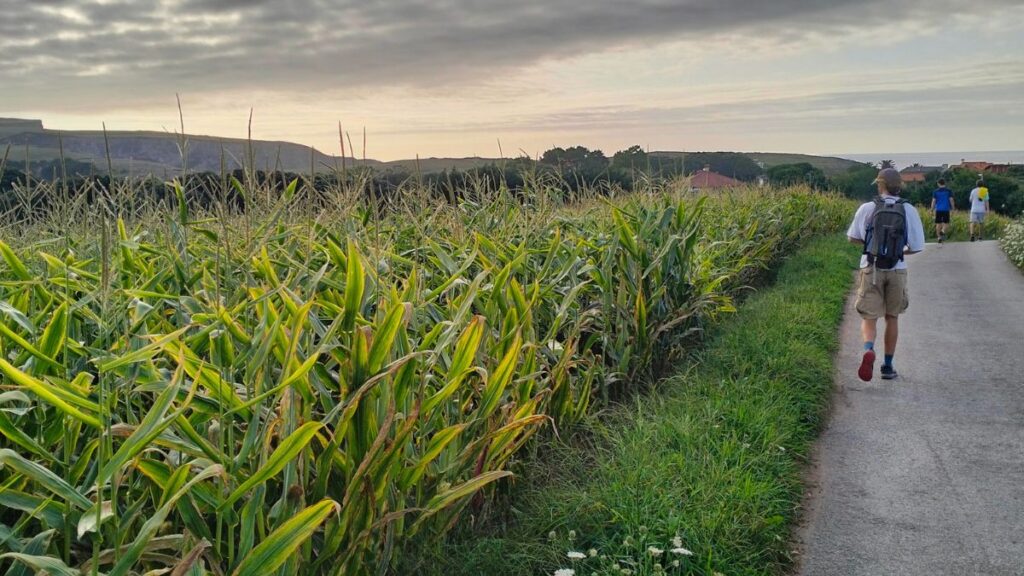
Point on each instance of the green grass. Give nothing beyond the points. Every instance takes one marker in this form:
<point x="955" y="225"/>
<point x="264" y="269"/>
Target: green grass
<point x="713" y="456"/>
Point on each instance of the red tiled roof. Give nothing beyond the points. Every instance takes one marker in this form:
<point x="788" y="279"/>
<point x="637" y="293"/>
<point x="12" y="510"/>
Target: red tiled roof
<point x="705" y="180"/>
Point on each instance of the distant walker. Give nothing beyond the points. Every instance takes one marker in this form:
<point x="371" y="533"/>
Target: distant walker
<point x="979" y="207"/>
<point x="942" y="205"/>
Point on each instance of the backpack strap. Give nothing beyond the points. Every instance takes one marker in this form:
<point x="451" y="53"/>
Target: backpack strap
<point x="869" y="226"/>
<point x="906" y="227"/>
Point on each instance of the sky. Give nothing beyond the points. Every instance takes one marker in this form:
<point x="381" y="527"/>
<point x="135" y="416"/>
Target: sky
<point x="489" y="78"/>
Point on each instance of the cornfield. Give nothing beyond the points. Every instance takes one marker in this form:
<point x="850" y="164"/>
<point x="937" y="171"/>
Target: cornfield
<point x="321" y="381"/>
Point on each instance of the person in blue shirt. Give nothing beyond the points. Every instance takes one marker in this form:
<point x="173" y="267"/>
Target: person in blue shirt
<point x="942" y="205"/>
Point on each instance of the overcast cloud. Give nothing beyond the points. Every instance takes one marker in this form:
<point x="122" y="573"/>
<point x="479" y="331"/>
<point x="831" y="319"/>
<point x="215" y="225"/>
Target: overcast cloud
<point x="193" y="45"/>
<point x="100" y="57"/>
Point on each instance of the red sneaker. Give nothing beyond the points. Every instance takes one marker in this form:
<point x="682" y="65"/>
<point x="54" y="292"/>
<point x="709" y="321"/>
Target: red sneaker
<point x="867" y="365"/>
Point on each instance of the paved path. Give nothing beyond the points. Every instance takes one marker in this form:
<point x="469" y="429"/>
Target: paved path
<point x="924" y="475"/>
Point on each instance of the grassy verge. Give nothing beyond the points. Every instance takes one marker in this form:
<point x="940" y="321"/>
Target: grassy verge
<point x="709" y="462"/>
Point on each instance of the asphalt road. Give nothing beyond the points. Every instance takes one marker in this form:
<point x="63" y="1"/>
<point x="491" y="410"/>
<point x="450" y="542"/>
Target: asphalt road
<point x="924" y="475"/>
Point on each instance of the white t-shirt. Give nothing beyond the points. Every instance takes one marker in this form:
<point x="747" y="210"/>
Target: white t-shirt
<point x="915" y="230"/>
<point x="978" y="200"/>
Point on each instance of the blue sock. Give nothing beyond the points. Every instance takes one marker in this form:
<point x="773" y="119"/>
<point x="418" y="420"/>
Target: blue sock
<point x="869" y="345"/>
<point x="888" y="359"/>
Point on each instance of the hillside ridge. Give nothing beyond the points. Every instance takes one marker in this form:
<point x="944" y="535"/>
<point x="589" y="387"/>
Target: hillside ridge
<point x="138" y="152"/>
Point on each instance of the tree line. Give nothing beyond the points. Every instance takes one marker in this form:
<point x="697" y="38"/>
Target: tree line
<point x="570" y="170"/>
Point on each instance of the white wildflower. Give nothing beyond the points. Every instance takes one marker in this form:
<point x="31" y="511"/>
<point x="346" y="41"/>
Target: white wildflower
<point x="677" y="542"/>
<point x="592" y="553"/>
<point x="552" y="535"/>
<point x="574" y="555"/>
<point x="682" y="551"/>
<point x="565" y="572"/>
<point x="654" y="551"/>
<point x="572" y="534"/>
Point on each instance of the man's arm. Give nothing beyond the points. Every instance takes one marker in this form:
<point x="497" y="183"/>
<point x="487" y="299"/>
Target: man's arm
<point x="855" y="233"/>
<point x="933" y="203"/>
<point x="952" y="204"/>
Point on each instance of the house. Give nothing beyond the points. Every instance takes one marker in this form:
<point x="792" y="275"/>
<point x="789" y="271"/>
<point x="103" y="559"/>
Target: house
<point x="918" y="173"/>
<point x="708" y="180"/>
<point x="980" y="166"/>
<point x="974" y="166"/>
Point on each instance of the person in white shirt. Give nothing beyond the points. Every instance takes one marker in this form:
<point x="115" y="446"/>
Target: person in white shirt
<point x="882" y="290"/>
<point x="979" y="207"/>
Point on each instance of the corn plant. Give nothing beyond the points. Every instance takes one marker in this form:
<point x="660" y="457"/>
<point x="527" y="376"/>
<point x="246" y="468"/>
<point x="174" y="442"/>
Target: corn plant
<point x="316" y="384"/>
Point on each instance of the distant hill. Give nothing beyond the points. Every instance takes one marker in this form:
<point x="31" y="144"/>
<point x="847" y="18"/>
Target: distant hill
<point x="10" y="126"/>
<point x="831" y="166"/>
<point x="159" y="153"/>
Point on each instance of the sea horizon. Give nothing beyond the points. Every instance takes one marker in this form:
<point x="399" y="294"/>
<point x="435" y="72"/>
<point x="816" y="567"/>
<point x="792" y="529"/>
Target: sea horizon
<point x="904" y="159"/>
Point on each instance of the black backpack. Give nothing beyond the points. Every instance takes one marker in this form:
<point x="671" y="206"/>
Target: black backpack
<point x="886" y="234"/>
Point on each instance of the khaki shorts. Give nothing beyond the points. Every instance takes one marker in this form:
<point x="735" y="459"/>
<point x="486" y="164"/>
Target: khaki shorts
<point x="882" y="293"/>
<point x="977" y="217"/>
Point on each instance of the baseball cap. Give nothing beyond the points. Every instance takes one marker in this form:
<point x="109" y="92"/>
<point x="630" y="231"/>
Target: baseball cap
<point x="890" y="177"/>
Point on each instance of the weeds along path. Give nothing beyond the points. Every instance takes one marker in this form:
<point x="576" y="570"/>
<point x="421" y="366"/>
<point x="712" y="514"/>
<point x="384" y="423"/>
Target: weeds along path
<point x="925" y="474"/>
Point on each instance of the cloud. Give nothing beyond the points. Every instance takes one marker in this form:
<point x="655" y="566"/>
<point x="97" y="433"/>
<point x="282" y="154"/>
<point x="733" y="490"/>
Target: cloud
<point x="122" y="53"/>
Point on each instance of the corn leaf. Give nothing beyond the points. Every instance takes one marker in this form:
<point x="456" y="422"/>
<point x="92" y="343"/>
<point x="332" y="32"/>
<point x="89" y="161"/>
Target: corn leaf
<point x="270" y="554"/>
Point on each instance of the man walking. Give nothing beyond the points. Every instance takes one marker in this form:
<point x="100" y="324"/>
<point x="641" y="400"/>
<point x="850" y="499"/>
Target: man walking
<point x="942" y="205"/>
<point x="979" y="207"/>
<point x="888" y="228"/>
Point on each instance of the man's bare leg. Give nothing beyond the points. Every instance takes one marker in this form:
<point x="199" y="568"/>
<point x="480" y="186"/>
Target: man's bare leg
<point x="892" y="332"/>
<point x="869" y="331"/>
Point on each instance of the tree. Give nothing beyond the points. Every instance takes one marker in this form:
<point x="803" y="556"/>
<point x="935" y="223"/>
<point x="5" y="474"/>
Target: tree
<point x="857" y="182"/>
<point x="578" y="165"/>
<point x="632" y="158"/>
<point x="9" y="178"/>
<point x="732" y="164"/>
<point x="795" y="174"/>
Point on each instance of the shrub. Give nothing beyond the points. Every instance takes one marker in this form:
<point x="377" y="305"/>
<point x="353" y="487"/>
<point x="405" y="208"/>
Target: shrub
<point x="1013" y="242"/>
